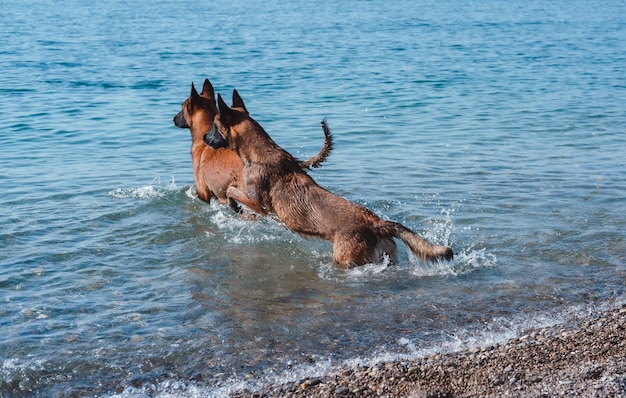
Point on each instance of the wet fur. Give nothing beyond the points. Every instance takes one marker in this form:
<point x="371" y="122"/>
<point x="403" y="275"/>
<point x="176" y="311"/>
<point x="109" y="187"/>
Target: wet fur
<point x="215" y="170"/>
<point x="277" y="184"/>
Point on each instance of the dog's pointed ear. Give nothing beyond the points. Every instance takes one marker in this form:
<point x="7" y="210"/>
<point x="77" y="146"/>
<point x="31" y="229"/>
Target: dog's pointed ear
<point x="222" y="105"/>
<point x="225" y="111"/>
<point x="194" y="93"/>
<point x="207" y="89"/>
<point x="237" y="101"/>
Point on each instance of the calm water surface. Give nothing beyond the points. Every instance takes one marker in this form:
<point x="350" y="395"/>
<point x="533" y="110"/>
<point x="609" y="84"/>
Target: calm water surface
<point x="493" y="127"/>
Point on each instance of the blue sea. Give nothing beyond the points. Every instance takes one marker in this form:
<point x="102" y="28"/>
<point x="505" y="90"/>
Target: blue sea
<point x="496" y="127"/>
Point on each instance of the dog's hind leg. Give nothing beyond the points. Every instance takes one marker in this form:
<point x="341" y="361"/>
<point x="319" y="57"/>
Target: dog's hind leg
<point x="352" y="249"/>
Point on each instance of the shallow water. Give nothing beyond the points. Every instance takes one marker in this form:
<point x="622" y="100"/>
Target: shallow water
<point x="495" y="128"/>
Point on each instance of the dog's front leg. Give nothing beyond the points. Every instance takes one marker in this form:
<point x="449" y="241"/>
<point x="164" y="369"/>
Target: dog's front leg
<point x="243" y="198"/>
<point x="244" y="212"/>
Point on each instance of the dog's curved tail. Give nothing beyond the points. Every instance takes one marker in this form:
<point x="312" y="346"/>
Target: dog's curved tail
<point x="315" y="161"/>
<point x="418" y="245"/>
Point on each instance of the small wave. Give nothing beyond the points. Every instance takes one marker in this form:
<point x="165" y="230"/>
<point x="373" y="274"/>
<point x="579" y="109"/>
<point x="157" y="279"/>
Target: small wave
<point x="229" y="385"/>
<point x="491" y="333"/>
<point x="151" y="191"/>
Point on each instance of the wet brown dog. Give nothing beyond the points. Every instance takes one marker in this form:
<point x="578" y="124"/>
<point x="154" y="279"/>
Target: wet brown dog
<point x="214" y="170"/>
<point x="278" y="184"/>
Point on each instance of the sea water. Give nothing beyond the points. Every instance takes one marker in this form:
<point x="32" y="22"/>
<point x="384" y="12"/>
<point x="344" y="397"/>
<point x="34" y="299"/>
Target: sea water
<point x="495" y="127"/>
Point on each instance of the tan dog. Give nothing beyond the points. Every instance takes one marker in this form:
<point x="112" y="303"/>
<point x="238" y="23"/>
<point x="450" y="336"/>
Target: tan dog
<point x="214" y="170"/>
<point x="276" y="183"/>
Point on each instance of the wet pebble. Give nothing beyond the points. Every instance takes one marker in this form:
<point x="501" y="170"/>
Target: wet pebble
<point x="310" y="383"/>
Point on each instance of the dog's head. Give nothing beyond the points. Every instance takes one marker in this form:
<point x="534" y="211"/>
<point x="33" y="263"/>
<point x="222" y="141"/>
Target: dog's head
<point x="198" y="111"/>
<point x="224" y="131"/>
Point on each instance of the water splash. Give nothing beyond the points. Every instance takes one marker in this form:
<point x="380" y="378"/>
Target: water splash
<point x="239" y="230"/>
<point x="369" y="270"/>
<point x="471" y="259"/>
<point x="441" y="229"/>
<point x="151" y="191"/>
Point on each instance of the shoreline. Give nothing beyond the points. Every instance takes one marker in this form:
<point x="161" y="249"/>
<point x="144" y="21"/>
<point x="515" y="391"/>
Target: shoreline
<point x="584" y="357"/>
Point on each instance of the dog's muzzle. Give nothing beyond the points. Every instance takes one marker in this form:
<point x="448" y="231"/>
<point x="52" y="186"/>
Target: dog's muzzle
<point x="180" y="121"/>
<point x="214" y="139"/>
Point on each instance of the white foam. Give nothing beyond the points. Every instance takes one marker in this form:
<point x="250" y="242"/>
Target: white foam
<point x="368" y="270"/>
<point x="477" y="258"/>
<point x="239" y="230"/>
<point x="151" y="191"/>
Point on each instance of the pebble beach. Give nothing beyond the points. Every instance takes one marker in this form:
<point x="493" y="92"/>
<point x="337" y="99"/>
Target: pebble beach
<point x="585" y="357"/>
